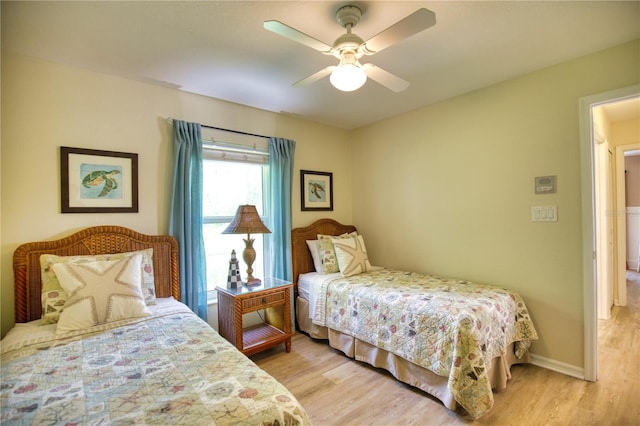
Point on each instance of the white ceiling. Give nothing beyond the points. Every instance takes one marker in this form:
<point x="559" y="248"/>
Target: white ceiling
<point x="220" y="48"/>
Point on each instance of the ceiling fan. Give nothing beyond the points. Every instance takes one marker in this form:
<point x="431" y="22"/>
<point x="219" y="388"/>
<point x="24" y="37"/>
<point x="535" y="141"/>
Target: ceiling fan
<point x="350" y="74"/>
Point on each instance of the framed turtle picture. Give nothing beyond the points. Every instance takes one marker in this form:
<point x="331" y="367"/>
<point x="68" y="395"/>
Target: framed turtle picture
<point x="94" y="181"/>
<point x="316" y="190"/>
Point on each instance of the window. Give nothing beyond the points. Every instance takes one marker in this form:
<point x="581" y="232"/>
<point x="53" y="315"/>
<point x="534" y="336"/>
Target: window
<point x="230" y="180"/>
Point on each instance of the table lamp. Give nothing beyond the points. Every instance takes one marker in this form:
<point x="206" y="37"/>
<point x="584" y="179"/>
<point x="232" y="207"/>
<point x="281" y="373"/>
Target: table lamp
<point x="247" y="221"/>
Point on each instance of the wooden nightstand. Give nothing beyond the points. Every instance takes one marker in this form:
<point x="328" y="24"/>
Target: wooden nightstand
<point x="272" y="296"/>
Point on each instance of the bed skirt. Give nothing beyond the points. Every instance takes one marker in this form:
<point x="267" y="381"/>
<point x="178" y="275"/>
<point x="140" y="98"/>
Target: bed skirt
<point x="400" y="368"/>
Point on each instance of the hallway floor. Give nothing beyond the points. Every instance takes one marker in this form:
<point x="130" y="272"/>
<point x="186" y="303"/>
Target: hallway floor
<point x="619" y="352"/>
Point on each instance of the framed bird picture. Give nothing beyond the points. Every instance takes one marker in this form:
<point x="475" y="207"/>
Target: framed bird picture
<point x="316" y="190"/>
<point x="94" y="181"/>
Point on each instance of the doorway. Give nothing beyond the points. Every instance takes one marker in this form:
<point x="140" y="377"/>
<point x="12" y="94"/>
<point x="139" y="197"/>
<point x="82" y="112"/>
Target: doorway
<point x="596" y="296"/>
<point x="628" y="215"/>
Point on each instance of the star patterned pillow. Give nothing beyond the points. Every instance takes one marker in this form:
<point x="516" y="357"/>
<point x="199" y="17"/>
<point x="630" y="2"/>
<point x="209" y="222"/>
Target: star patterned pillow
<point x="54" y="297"/>
<point x="351" y="254"/>
<point x="328" y="253"/>
<point x="100" y="292"/>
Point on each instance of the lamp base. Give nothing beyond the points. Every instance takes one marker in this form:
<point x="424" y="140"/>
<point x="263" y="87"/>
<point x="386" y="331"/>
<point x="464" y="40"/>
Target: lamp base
<point x="253" y="282"/>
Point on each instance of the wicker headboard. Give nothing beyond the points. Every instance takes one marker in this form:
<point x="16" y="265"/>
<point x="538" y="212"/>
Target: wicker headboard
<point x="91" y="241"/>
<point x="300" y="255"/>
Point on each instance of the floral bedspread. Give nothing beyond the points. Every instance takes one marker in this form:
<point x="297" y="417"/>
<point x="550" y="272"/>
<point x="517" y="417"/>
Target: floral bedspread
<point x="452" y="327"/>
<point x="171" y="368"/>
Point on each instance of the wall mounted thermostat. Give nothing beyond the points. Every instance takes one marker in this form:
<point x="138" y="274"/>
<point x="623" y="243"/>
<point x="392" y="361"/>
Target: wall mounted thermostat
<point x="545" y="184"/>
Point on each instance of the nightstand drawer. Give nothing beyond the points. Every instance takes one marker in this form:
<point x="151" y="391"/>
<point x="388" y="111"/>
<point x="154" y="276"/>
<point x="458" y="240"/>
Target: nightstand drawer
<point x="263" y="300"/>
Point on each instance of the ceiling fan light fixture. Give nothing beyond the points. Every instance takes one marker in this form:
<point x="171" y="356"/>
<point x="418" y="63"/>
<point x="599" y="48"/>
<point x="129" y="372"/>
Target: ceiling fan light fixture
<point x="348" y="77"/>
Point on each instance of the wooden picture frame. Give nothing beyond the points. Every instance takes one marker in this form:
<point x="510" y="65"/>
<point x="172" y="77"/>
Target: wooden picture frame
<point x="95" y="181"/>
<point x="316" y="191"/>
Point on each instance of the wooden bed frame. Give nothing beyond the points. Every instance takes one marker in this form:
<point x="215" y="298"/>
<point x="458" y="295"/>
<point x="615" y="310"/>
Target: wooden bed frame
<point x="301" y="257"/>
<point x="96" y="240"/>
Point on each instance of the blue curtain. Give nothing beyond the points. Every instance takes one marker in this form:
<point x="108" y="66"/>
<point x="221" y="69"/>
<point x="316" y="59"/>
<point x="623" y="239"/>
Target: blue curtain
<point x="278" y="243"/>
<point x="185" y="222"/>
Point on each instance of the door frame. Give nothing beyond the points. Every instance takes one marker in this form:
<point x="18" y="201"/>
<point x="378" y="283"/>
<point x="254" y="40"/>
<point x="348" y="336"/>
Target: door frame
<point x="590" y="298"/>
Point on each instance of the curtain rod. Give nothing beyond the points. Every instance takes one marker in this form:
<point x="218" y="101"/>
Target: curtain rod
<point x="230" y="130"/>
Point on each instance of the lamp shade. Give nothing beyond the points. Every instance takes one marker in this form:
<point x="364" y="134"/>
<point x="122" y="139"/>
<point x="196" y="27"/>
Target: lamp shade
<point x="246" y="221"/>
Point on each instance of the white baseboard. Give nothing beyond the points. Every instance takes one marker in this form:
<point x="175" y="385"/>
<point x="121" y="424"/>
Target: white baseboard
<point x="632" y="264"/>
<point x="560" y="367"/>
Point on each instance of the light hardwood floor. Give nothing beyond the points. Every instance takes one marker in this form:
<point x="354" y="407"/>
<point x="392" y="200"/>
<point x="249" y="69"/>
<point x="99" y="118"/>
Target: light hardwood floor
<point x="336" y="390"/>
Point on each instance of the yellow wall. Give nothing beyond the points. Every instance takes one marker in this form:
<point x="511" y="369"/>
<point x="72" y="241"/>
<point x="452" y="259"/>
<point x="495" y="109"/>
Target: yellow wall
<point x="625" y="132"/>
<point x="46" y="105"/>
<point x="632" y="165"/>
<point x="449" y="188"/>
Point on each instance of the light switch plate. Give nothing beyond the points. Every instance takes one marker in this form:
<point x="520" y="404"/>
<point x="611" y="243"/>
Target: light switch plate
<point x="544" y="213"/>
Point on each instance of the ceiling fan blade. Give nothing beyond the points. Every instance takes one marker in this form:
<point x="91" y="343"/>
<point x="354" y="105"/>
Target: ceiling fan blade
<point x="295" y="35"/>
<point x="315" y="77"/>
<point x="418" y="21"/>
<point x="385" y="78"/>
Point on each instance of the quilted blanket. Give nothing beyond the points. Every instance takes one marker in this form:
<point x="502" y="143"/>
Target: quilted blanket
<point x="171" y="368"/>
<point x="452" y="327"/>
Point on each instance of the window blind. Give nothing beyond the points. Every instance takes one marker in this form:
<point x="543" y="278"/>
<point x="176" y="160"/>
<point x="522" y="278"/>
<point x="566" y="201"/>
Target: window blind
<point x="241" y="149"/>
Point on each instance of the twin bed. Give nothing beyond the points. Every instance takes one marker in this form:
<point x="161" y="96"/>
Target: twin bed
<point x="152" y="362"/>
<point x="453" y="339"/>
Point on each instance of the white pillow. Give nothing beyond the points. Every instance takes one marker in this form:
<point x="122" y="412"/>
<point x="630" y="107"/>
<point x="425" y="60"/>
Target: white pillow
<point x="351" y="254"/>
<point x="315" y="254"/>
<point x="100" y="292"/>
